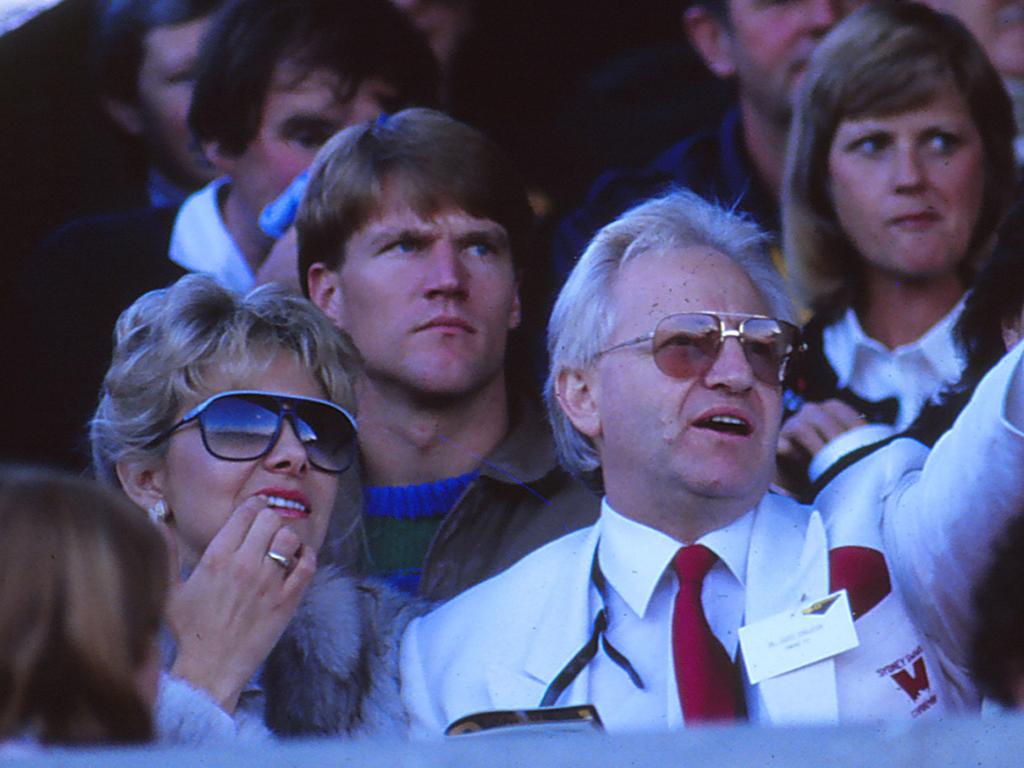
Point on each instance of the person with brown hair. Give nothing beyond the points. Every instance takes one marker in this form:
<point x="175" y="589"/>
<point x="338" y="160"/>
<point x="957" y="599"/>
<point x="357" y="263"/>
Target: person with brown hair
<point x="414" y="237"/>
<point x="146" y="55"/>
<point x="899" y="171"/>
<point x="274" y="79"/>
<point x="84" y="579"/>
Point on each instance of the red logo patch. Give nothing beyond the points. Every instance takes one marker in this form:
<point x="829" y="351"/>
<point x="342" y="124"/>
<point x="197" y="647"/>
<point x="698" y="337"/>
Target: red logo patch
<point x="916" y="683"/>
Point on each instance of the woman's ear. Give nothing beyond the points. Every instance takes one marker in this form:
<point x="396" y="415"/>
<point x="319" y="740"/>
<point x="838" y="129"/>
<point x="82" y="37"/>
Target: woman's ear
<point x="579" y="398"/>
<point x="142" y="481"/>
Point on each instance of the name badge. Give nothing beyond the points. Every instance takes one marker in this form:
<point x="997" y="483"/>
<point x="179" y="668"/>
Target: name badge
<point x="793" y="639"/>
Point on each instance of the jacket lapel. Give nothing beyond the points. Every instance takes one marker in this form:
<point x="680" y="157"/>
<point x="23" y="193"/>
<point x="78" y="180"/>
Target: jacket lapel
<point x="563" y="626"/>
<point x="784" y="534"/>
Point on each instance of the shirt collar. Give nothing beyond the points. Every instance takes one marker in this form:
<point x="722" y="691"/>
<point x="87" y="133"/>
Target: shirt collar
<point x="200" y="242"/>
<point x="732" y="545"/>
<point x="635" y="578"/>
<point x="847" y="347"/>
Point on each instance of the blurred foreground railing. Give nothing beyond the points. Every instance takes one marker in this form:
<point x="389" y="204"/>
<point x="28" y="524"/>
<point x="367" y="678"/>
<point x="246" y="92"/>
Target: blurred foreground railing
<point x="994" y="741"/>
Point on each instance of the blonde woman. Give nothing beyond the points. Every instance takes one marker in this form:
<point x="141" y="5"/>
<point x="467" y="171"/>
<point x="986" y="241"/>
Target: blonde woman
<point x="229" y="420"/>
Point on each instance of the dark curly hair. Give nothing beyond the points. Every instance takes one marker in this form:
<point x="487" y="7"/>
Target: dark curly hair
<point x="994" y="302"/>
<point x="997" y="647"/>
<point x="356" y="40"/>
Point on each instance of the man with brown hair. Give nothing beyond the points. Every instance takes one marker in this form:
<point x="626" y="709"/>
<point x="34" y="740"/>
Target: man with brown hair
<point x="413" y="234"/>
<point x="274" y="81"/>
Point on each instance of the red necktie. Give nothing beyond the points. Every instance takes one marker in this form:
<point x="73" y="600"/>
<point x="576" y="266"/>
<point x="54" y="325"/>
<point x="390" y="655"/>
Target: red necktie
<point x="708" y="682"/>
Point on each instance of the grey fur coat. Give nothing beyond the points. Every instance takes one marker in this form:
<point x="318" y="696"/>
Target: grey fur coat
<point x="333" y="672"/>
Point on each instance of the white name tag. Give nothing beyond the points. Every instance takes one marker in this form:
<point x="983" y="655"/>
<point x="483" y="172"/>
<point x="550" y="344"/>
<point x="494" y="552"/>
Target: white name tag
<point x="793" y="639"/>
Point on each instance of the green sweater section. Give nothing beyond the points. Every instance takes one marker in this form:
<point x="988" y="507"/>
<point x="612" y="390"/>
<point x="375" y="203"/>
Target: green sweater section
<point x="401" y="521"/>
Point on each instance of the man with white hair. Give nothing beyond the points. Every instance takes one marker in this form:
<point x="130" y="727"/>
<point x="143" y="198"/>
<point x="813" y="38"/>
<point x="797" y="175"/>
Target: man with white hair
<point x="699" y="595"/>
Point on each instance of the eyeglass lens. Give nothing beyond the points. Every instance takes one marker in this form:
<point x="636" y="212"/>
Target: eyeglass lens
<point x="687" y="345"/>
<point x="244" y="427"/>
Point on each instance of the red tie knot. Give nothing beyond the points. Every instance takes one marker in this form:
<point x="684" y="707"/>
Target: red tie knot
<point x="693" y="563"/>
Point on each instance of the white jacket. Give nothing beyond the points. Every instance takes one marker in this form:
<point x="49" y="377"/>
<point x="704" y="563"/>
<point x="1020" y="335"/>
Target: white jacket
<point x="918" y="521"/>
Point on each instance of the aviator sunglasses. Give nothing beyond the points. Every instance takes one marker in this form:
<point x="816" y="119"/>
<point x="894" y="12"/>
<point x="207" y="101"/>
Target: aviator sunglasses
<point x="686" y="345"/>
<point x="246" y="425"/>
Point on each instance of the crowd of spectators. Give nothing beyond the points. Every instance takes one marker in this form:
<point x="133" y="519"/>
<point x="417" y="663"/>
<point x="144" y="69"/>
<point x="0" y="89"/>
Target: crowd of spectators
<point x="285" y="277"/>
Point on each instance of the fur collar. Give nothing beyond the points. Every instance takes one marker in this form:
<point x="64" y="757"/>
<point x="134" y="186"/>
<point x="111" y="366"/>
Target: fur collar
<point x="335" y="668"/>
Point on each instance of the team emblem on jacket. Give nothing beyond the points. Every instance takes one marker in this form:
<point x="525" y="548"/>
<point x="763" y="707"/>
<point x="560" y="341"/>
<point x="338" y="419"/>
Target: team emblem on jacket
<point x="910" y="674"/>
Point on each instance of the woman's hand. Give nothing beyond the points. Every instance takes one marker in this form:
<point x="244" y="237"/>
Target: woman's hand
<point x="803" y="435"/>
<point x="815" y="424"/>
<point x="232" y="609"/>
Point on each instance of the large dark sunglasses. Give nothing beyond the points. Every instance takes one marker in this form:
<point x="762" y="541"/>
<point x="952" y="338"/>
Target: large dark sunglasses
<point x="686" y="345"/>
<point x="244" y="425"/>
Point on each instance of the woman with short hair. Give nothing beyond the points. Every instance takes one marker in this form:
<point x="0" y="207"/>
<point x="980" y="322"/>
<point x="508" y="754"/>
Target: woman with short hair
<point x="899" y="171"/>
<point x="228" y="419"/>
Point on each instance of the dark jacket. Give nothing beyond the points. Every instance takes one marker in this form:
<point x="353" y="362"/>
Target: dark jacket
<point x="66" y="304"/>
<point x="521" y="500"/>
<point x="713" y="164"/>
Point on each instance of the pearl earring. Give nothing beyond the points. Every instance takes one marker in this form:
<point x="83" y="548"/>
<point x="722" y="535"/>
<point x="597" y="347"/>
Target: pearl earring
<point x="159" y="513"/>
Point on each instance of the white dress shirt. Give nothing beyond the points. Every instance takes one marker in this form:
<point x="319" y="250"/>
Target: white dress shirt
<point x="637" y="564"/>
<point x="200" y="242"/>
<point x="912" y="373"/>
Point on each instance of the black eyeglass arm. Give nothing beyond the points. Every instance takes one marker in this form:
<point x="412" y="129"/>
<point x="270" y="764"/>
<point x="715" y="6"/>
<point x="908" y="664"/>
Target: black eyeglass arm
<point x="615" y="655"/>
<point x="576" y="664"/>
<point x="587" y="653"/>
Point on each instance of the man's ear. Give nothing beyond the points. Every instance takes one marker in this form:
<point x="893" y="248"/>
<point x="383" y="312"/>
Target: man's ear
<point x="142" y="481"/>
<point x="325" y="291"/>
<point x="578" y="395"/>
<point x="223" y="161"/>
<point x="712" y="40"/>
<point x="1012" y="334"/>
<point x="125" y="114"/>
<point x="515" y="316"/>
